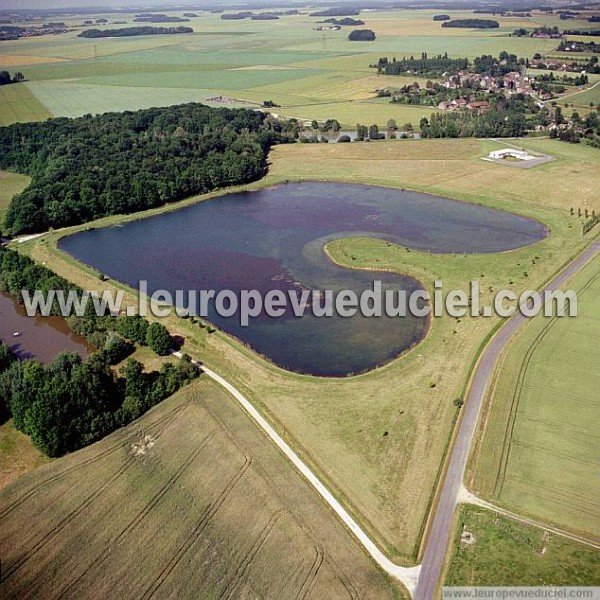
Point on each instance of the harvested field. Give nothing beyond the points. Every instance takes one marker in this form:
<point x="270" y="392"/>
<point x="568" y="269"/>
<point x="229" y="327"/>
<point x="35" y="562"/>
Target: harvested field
<point x="206" y="508"/>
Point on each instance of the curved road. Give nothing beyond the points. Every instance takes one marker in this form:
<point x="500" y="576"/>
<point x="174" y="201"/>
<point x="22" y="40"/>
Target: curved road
<point x="422" y="580"/>
<point x="441" y="528"/>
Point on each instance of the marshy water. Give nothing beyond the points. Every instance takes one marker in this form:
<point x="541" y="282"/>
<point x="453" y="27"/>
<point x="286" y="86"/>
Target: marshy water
<point x="275" y="238"/>
<point x="37" y="337"/>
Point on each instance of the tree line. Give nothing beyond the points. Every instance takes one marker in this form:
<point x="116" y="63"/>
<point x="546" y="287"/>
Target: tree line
<point x="70" y="404"/>
<point x="428" y="65"/>
<point x="494" y="123"/>
<point x="94" y="166"/>
<point x="133" y="31"/>
<point x="472" y="23"/>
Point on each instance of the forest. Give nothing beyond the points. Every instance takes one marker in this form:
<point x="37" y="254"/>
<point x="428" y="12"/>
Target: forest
<point x="362" y="35"/>
<point x="158" y="18"/>
<point x="495" y="123"/>
<point x="472" y="23"/>
<point x="69" y="404"/>
<point x="94" y="166"/>
<point x="133" y="31"/>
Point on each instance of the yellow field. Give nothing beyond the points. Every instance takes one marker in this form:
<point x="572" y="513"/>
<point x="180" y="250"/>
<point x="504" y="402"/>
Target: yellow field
<point x="17" y="454"/>
<point x="205" y="508"/>
<point x="20" y="60"/>
<point x="311" y="74"/>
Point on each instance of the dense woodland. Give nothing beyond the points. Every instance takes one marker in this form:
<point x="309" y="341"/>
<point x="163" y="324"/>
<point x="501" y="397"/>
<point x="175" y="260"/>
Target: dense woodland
<point x="362" y="35"/>
<point x="435" y="66"/>
<point x="345" y="22"/>
<point x="472" y="23"/>
<point x="494" y="123"/>
<point x="91" y="167"/>
<point x="70" y="404"/>
<point x="336" y="12"/>
<point x="158" y="18"/>
<point x="133" y="31"/>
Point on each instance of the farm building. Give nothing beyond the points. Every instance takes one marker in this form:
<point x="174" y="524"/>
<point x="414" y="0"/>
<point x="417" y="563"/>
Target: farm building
<point x="510" y="153"/>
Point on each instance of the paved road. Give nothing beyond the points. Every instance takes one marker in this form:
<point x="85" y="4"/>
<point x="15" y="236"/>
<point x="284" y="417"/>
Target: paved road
<point x="441" y="528"/>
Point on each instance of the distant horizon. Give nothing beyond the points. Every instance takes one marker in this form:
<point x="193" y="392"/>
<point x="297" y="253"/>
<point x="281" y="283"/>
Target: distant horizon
<point x="132" y="5"/>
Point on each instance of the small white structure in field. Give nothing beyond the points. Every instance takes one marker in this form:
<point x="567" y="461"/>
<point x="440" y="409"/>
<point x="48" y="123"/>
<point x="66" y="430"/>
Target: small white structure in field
<point x="511" y="153"/>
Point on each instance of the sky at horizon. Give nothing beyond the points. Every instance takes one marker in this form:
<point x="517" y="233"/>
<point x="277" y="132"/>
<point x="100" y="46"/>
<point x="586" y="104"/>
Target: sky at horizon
<point x="7" y="5"/>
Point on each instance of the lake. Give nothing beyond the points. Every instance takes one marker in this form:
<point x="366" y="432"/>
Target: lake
<point x="274" y="239"/>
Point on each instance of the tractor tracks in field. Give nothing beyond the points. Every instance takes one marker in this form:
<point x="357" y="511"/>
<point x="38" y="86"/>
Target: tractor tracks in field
<point x="165" y="421"/>
<point x="210" y="511"/>
<point x="139" y="518"/>
<point x="246" y="562"/>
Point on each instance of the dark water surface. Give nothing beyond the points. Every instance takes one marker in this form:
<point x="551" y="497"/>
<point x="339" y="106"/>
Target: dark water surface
<point x="39" y="337"/>
<point x="274" y="238"/>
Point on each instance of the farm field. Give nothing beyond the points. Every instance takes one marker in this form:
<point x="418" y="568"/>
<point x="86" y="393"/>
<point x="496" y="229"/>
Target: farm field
<point x="505" y="552"/>
<point x="540" y="446"/>
<point x="18" y="104"/>
<point x="585" y="98"/>
<point x="310" y="74"/>
<point x="187" y="470"/>
<point x="10" y="184"/>
<point x="17" y="454"/>
<point x="338" y="425"/>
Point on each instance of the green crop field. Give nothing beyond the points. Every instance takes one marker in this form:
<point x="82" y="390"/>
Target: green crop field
<point x="338" y="425"/>
<point x="206" y="508"/>
<point x="505" y="552"/>
<point x="310" y="74"/>
<point x="18" y="104"/>
<point x="585" y="98"/>
<point x="540" y="448"/>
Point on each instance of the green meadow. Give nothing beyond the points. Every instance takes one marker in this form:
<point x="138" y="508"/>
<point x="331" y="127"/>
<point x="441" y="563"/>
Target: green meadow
<point x="504" y="552"/>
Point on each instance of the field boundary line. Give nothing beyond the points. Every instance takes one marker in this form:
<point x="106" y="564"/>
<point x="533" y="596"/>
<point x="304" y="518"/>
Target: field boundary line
<point x="164" y="420"/>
